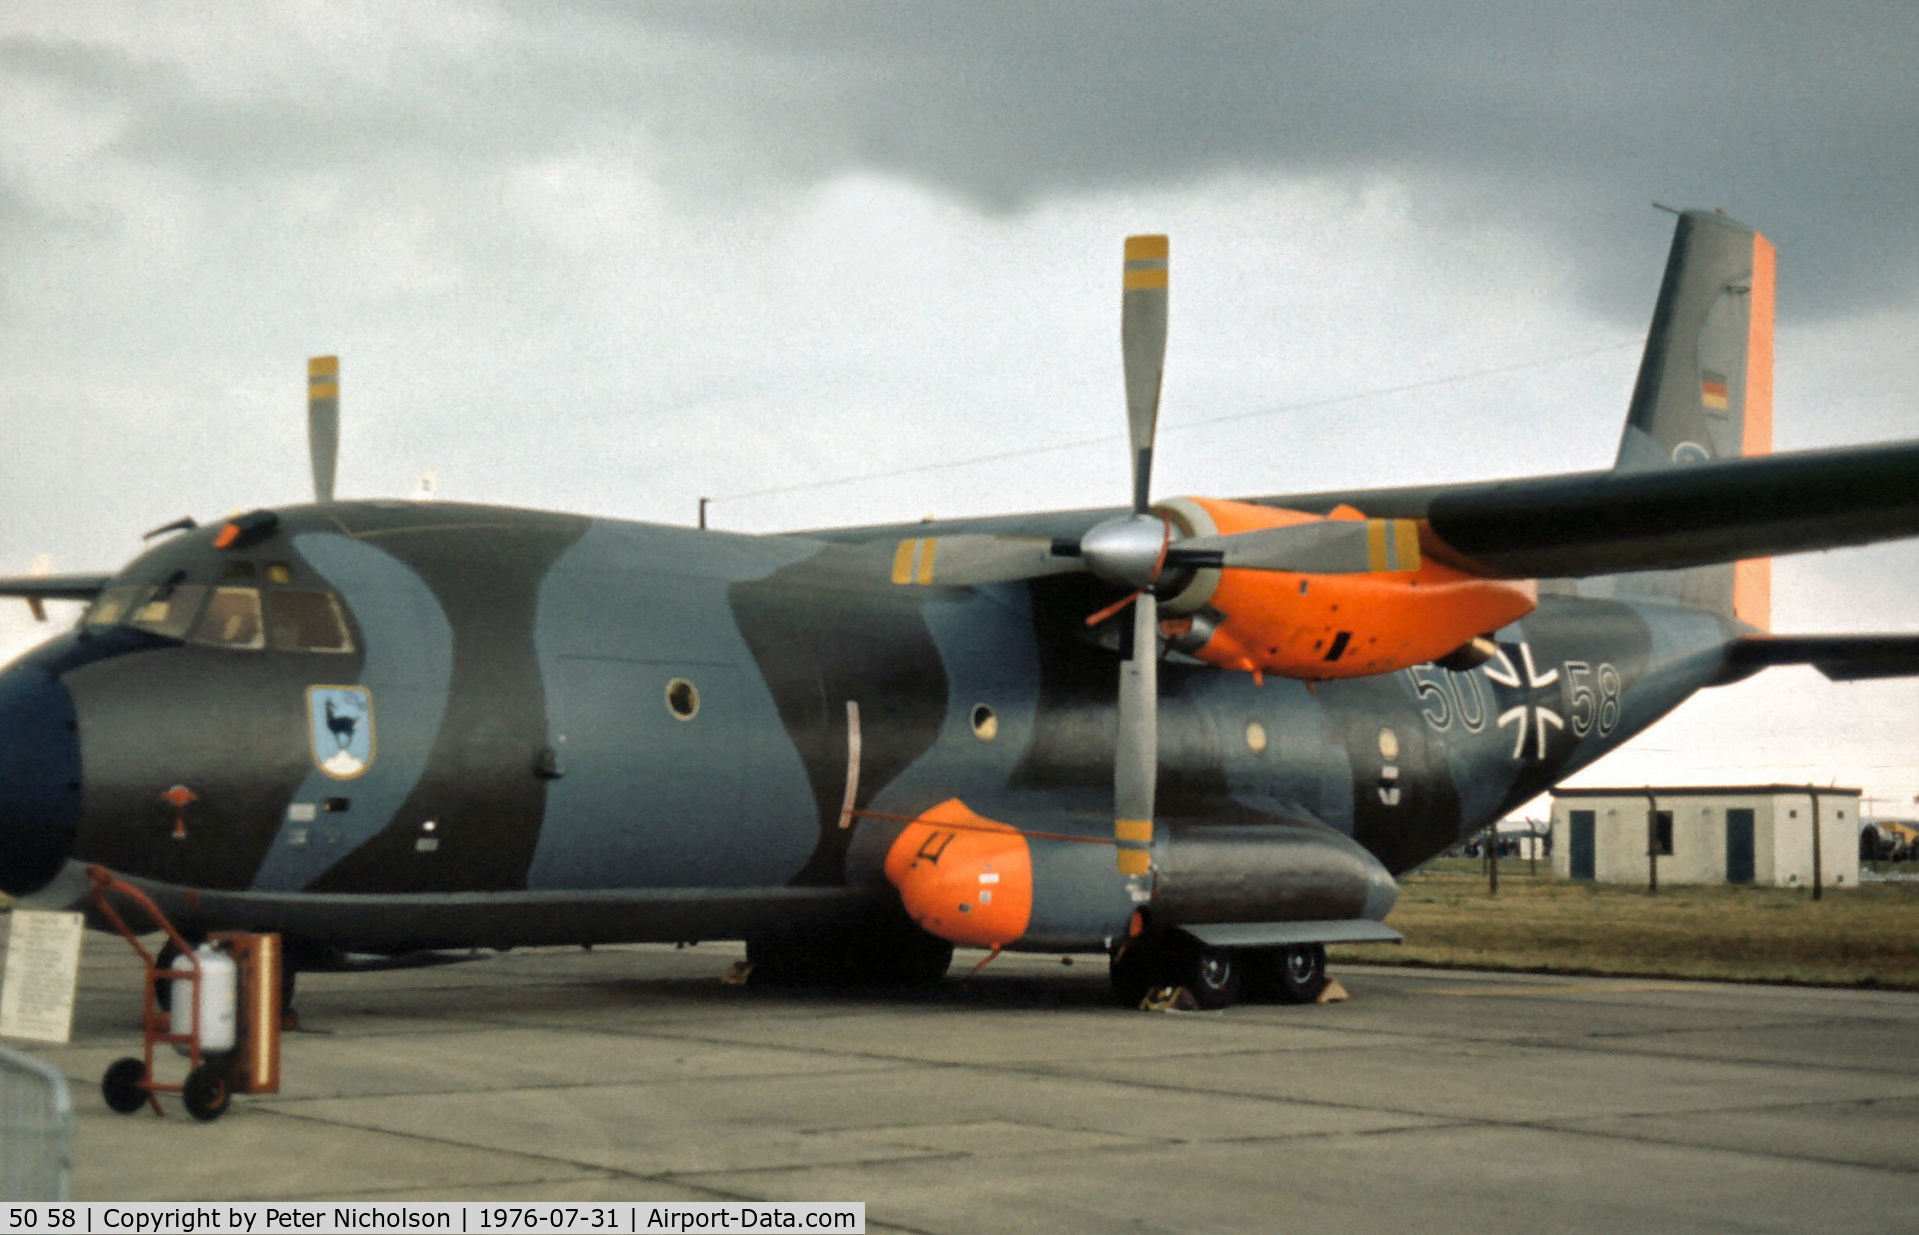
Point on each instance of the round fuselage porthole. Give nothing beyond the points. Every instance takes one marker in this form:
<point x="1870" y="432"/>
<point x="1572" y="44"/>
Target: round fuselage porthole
<point x="682" y="699"/>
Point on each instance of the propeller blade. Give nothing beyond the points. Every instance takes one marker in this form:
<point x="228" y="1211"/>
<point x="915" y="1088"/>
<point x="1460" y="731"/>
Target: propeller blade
<point x="323" y="422"/>
<point x="968" y="560"/>
<point x="1136" y="754"/>
<point x="1322" y="547"/>
<point x="1142" y="334"/>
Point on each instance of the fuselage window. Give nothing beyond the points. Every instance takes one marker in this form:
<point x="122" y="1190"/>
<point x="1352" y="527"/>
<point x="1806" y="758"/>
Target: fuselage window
<point x="169" y="609"/>
<point x="232" y="619"/>
<point x="301" y="621"/>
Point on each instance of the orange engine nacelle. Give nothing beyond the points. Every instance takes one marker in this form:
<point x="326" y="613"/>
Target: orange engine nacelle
<point x="967" y="879"/>
<point x="1317" y="627"/>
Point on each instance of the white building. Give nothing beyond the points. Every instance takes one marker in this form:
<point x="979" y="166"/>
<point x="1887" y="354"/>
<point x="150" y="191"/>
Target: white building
<point x="1759" y="834"/>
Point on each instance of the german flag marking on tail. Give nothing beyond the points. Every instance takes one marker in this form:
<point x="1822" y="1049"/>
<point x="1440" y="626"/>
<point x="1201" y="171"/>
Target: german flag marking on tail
<point x="1713" y="390"/>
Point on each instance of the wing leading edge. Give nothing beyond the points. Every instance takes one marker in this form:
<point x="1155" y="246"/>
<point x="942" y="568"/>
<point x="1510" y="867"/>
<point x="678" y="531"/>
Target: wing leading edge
<point x="1601" y="523"/>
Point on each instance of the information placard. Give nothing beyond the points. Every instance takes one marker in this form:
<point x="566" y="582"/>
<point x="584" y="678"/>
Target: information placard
<point x="43" y="968"/>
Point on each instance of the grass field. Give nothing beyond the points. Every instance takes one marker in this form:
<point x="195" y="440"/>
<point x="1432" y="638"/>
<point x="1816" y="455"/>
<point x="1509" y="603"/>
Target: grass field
<point x="1856" y="936"/>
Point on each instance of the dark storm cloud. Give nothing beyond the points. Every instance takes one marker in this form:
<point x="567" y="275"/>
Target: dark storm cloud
<point x="1554" y="122"/>
<point x="1795" y="117"/>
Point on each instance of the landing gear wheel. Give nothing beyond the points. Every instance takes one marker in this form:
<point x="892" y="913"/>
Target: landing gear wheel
<point x="1290" y="975"/>
<point x="1135" y="970"/>
<point x="1211" y="974"/>
<point x="909" y="959"/>
<point x="124" y="1085"/>
<point x="883" y="950"/>
<point x="206" y="1092"/>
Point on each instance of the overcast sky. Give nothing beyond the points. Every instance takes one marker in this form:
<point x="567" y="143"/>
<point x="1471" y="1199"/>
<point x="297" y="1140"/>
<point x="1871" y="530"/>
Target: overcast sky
<point x="613" y="258"/>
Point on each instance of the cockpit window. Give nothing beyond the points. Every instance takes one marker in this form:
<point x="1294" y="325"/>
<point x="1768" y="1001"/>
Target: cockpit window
<point x="232" y="619"/>
<point x="168" y="609"/>
<point x="302" y="621"/>
<point x="111" y="606"/>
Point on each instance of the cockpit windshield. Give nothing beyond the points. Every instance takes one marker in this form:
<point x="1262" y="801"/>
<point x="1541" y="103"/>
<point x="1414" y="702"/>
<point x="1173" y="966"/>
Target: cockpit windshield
<point x="304" y="621"/>
<point x="167" y="608"/>
<point x="232" y="619"/>
<point x="234" y="614"/>
<point x="110" y="606"/>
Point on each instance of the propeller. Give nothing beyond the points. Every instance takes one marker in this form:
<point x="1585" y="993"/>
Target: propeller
<point x="1142" y="551"/>
<point x="1138" y="550"/>
<point x="323" y="422"/>
<point x="1142" y="333"/>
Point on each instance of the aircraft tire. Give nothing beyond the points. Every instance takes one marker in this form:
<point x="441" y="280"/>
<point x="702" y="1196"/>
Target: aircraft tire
<point x="784" y="962"/>
<point x="903" y="960"/>
<point x="871" y="957"/>
<point x="1211" y="974"/>
<point x="207" y="1091"/>
<point x="1294" y="974"/>
<point x="123" y="1085"/>
<point x="1136" y="970"/>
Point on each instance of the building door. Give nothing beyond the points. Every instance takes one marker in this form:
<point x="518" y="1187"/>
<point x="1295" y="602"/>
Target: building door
<point x="1580" y="822"/>
<point x="1739" y="846"/>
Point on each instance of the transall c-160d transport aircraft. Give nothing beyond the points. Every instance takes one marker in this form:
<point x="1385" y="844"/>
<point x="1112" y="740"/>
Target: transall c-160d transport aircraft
<point x="1199" y="735"/>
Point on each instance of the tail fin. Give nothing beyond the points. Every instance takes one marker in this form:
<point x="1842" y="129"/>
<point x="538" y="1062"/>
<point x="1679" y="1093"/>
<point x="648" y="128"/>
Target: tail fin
<point x="1705" y="392"/>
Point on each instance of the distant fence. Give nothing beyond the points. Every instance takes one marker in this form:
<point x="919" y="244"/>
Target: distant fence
<point x="36" y="1130"/>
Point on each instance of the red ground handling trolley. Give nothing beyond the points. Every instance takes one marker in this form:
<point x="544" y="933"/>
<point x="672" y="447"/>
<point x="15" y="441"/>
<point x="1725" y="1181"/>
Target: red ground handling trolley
<point x="229" y="1024"/>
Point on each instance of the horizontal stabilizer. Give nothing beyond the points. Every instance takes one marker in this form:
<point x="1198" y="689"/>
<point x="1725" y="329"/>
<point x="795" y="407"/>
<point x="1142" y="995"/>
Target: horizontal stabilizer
<point x="1843" y="658"/>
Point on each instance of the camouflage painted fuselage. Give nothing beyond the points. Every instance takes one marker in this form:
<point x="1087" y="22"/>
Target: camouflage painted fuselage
<point x="525" y="772"/>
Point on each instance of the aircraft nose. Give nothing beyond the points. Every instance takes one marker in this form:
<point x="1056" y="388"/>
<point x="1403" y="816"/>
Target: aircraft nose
<point x="39" y="778"/>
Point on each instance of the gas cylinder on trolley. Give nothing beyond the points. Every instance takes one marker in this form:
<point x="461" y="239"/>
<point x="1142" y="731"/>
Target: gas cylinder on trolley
<point x="216" y="1011"/>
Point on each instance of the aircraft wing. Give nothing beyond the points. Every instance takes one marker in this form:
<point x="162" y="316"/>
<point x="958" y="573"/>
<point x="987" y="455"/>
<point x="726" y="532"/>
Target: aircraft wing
<point x="1843" y="658"/>
<point x="1599" y="523"/>
<point x="53" y="587"/>
<point x="1590" y="523"/>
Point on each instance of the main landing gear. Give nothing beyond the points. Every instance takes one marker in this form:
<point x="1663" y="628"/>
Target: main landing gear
<point x="885" y="952"/>
<point x="1217" y="977"/>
